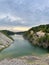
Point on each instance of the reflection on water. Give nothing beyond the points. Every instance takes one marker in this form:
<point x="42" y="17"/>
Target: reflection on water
<point x="21" y="47"/>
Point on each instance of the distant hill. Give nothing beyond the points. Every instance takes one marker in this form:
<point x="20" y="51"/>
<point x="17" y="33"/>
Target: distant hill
<point x="38" y="35"/>
<point x="7" y="33"/>
<point x="20" y="33"/>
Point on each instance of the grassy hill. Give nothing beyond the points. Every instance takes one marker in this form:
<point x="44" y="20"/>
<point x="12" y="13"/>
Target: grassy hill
<point x="44" y="28"/>
<point x="38" y="35"/>
<point x="8" y="33"/>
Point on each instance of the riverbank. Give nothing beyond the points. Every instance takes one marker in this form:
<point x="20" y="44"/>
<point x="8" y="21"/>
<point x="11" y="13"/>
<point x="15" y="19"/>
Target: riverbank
<point x="21" y="52"/>
<point x="5" y="41"/>
<point x="27" y="60"/>
<point x="38" y="36"/>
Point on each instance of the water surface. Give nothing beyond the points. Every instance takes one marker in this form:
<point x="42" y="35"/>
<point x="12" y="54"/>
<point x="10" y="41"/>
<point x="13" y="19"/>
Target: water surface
<point x="21" y="47"/>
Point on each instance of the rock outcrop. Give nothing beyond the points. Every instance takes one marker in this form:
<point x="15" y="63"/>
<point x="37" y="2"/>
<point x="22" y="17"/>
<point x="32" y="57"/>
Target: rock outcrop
<point x="38" y="35"/>
<point x="4" y="41"/>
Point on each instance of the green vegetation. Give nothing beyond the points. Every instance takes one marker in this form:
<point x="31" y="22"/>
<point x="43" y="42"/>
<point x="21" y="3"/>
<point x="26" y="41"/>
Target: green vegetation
<point x="44" y="28"/>
<point x="38" y="35"/>
<point x="7" y="33"/>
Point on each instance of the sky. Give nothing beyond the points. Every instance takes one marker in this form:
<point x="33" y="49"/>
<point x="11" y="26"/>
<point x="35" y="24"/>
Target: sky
<point x="24" y="13"/>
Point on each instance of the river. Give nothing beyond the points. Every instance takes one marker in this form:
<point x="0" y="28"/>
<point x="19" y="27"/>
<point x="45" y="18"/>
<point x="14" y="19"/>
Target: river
<point x="21" y="47"/>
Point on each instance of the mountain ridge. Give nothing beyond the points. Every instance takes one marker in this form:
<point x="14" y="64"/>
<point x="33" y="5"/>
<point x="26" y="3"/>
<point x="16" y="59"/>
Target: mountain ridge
<point x="38" y="35"/>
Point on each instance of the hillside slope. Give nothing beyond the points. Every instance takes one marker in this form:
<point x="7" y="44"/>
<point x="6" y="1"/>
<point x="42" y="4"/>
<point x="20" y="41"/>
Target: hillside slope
<point x="38" y="35"/>
<point x="4" y="41"/>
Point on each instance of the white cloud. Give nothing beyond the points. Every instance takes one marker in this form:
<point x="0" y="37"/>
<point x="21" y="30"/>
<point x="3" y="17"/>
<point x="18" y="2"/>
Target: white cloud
<point x="23" y="22"/>
<point x="14" y="28"/>
<point x="24" y="12"/>
<point x="2" y="16"/>
<point x="14" y="18"/>
<point x="11" y="17"/>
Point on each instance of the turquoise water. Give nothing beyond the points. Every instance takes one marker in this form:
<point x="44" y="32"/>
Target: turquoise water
<point x="21" y="47"/>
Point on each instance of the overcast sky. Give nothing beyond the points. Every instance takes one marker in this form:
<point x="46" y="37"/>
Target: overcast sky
<point x="24" y="12"/>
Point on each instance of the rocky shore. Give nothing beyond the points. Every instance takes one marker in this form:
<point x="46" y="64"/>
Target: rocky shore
<point x="38" y="36"/>
<point x="4" y="41"/>
<point x="27" y="60"/>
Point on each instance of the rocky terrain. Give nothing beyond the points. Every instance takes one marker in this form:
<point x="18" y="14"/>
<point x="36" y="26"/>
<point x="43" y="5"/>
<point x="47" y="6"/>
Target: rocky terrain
<point x="4" y="41"/>
<point x="38" y="35"/>
<point x="27" y="60"/>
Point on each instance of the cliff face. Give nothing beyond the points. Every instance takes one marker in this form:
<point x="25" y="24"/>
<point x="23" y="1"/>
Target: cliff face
<point x="4" y="41"/>
<point x="38" y="35"/>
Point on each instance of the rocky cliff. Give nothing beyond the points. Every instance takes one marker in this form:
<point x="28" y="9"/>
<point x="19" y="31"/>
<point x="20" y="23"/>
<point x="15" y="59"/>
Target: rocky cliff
<point x="38" y="35"/>
<point x="4" y="41"/>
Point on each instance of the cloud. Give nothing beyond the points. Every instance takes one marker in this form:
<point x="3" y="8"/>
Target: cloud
<point x="14" y="18"/>
<point x="2" y="16"/>
<point x="24" y="12"/>
<point x="9" y="16"/>
<point x="14" y="28"/>
<point x="8" y="19"/>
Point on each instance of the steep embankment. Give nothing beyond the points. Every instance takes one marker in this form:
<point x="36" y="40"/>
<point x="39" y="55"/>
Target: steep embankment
<point x="38" y="35"/>
<point x="5" y="41"/>
<point x="8" y="33"/>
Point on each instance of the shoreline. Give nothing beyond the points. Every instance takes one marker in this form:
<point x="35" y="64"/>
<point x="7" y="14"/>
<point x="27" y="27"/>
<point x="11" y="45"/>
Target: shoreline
<point x="26" y="60"/>
<point x="5" y="41"/>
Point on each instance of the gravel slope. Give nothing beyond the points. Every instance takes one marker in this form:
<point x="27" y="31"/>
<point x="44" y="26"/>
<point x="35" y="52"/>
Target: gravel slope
<point x="27" y="60"/>
<point x="4" y="41"/>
